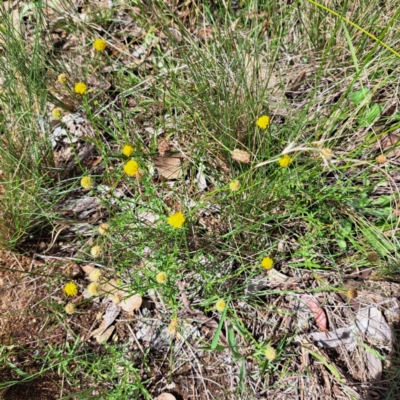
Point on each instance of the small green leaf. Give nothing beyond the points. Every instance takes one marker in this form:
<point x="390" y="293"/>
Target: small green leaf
<point x="370" y="115"/>
<point x="342" y="244"/>
<point x="359" y="95"/>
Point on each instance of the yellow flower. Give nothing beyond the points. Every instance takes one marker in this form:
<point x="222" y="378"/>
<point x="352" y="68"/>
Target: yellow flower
<point x="87" y="182"/>
<point x="267" y="262"/>
<point x="95" y="275"/>
<point x="161" y="277"/>
<point x="127" y="150"/>
<point x="270" y="353"/>
<point x="285" y="161"/>
<point x="69" y="308"/>
<point x="62" y="78"/>
<point x="104" y="228"/>
<point x="118" y="282"/>
<point x="241" y="156"/>
<point x="93" y="289"/>
<point x="176" y="220"/>
<point x="381" y="159"/>
<point x="71" y="289"/>
<point x="234" y="185"/>
<point x="100" y="44"/>
<point x="56" y="113"/>
<point x="220" y="305"/>
<point x="80" y="88"/>
<point x="263" y="122"/>
<point x="95" y="251"/>
<point x="131" y="168"/>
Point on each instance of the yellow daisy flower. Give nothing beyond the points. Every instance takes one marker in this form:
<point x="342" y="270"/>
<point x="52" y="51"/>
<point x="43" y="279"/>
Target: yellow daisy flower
<point x="87" y="182"/>
<point x="234" y="185"/>
<point x="95" y="275"/>
<point x="176" y="220"/>
<point x="131" y="168"/>
<point x="56" y="113"/>
<point x="267" y="262"/>
<point x="285" y="161"/>
<point x="127" y="150"/>
<point x="103" y="228"/>
<point x="263" y="122"/>
<point x="220" y="305"/>
<point x="80" y="88"/>
<point x="99" y="44"/>
<point x="95" y="251"/>
<point x="71" y="289"/>
<point x="161" y="277"/>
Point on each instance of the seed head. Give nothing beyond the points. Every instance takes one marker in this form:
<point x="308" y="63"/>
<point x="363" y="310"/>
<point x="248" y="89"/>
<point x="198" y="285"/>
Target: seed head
<point x="381" y="159"/>
<point x="161" y="278"/>
<point x="270" y="353"/>
<point x="104" y="228"/>
<point x="241" y="156"/>
<point x="56" y="113"/>
<point x="234" y="185"/>
<point x="62" y="78"/>
<point x="70" y="308"/>
<point x="95" y="275"/>
<point x="93" y="288"/>
<point x="95" y="251"/>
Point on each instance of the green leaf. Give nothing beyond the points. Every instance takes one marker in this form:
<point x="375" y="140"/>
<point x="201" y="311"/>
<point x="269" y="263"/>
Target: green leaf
<point x="370" y="114"/>
<point x="331" y="368"/>
<point x="359" y="95"/>
<point x="214" y="342"/>
<point x="342" y="244"/>
<point x="382" y="201"/>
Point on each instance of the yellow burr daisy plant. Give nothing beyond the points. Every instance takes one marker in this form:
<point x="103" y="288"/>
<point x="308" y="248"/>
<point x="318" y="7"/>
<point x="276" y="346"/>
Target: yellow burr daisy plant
<point x="69" y="308"/>
<point x="267" y="262"/>
<point x="104" y="228"/>
<point x="234" y="185"/>
<point x="100" y="45"/>
<point x="71" y="289"/>
<point x="95" y="275"/>
<point x="285" y="161"/>
<point x="131" y="168"/>
<point x="176" y="220"/>
<point x="263" y="122"/>
<point x="80" y="88"/>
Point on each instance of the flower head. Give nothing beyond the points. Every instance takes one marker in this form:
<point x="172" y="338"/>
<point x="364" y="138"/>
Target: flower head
<point x="176" y="220"/>
<point x="95" y="251"/>
<point x="87" y="182"/>
<point x="263" y="122"/>
<point x="71" y="289"/>
<point x="381" y="159"/>
<point x="131" y="168"/>
<point x="161" y="277"/>
<point x="103" y="228"/>
<point x="352" y="293"/>
<point x="93" y="288"/>
<point x="241" y="156"/>
<point x="80" y="88"/>
<point x="127" y="150"/>
<point x="234" y="185"/>
<point x="285" y="161"/>
<point x="220" y="305"/>
<point x="70" y="308"/>
<point x="270" y="353"/>
<point x="99" y="44"/>
<point x="62" y="78"/>
<point x="56" y="113"/>
<point x="116" y="299"/>
<point x="95" y="275"/>
<point x="267" y="262"/>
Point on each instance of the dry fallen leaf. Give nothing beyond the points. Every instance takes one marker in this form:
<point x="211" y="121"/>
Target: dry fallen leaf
<point x="88" y="268"/>
<point x="103" y="337"/>
<point x="372" y="323"/>
<point x="317" y="310"/>
<point x="131" y="303"/>
<point x="374" y="365"/>
<point x="166" y="396"/>
<point x="331" y="340"/>
<point x="387" y="142"/>
<point x="169" y="167"/>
